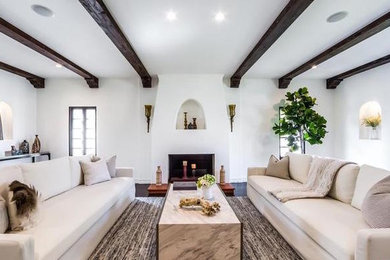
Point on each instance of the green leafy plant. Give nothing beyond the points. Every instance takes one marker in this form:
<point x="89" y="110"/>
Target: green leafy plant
<point x="300" y="122"/>
<point x="206" y="180"/>
<point x="372" y="121"/>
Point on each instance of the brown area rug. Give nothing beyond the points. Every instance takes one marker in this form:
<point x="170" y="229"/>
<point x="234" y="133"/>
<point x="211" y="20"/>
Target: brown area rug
<point x="133" y="236"/>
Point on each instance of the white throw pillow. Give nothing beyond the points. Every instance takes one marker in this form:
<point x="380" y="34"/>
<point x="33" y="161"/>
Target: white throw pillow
<point x="368" y="177"/>
<point x="111" y="164"/>
<point x="3" y="216"/>
<point x="95" y="172"/>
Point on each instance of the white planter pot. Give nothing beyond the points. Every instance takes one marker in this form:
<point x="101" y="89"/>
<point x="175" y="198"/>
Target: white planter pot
<point x="207" y="193"/>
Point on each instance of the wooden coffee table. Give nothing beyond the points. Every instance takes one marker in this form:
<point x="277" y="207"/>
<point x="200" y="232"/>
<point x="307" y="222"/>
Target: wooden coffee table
<point x="188" y="234"/>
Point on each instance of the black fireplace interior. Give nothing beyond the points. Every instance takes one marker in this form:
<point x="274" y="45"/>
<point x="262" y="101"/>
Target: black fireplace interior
<point x="204" y="165"/>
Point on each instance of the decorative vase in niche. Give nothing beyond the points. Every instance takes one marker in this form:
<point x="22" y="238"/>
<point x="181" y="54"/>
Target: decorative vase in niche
<point x="158" y="176"/>
<point x="373" y="133"/>
<point x="13" y="150"/>
<point x="207" y="193"/>
<point x="222" y="175"/>
<point x="36" y="147"/>
<point x="24" y="147"/>
<point x="185" y="121"/>
<point x="194" y="126"/>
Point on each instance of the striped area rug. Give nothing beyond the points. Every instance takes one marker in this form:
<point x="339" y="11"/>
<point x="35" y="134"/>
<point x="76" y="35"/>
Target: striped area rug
<point x="133" y="236"/>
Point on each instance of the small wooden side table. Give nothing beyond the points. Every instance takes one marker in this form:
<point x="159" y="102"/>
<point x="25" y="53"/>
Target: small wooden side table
<point x="227" y="188"/>
<point x="157" y="190"/>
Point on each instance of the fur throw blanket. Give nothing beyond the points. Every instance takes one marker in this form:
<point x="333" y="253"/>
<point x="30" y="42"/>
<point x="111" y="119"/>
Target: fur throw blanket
<point x="320" y="179"/>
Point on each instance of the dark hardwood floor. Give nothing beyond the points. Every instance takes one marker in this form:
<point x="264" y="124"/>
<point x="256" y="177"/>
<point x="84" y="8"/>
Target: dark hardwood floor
<point x="141" y="190"/>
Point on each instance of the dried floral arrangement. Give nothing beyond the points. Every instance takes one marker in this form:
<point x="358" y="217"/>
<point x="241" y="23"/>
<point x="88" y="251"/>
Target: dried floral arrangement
<point x="208" y="208"/>
<point x="372" y="121"/>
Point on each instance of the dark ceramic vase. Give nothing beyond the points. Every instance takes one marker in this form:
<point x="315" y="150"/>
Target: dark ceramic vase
<point x="24" y="147"/>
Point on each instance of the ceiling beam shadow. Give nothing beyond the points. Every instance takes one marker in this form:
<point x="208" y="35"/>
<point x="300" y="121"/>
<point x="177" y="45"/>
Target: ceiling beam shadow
<point x="106" y="21"/>
<point x="366" y="32"/>
<point x="288" y="15"/>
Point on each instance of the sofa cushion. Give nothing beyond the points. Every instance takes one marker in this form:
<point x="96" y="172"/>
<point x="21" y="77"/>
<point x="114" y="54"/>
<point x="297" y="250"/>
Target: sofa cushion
<point x="95" y="172"/>
<point x="330" y="223"/>
<point x="278" y="168"/>
<point x="8" y="175"/>
<point x="66" y="217"/>
<point x="75" y="168"/>
<point x="264" y="184"/>
<point x="3" y="216"/>
<point x="344" y="183"/>
<point x="50" y="178"/>
<point x="299" y="166"/>
<point x="368" y="177"/>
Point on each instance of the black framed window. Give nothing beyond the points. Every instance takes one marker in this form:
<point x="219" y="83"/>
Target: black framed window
<point x="82" y="130"/>
<point x="283" y="141"/>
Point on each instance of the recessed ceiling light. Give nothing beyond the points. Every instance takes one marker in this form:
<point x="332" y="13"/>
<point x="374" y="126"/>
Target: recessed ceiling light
<point x="58" y="65"/>
<point x="219" y="17"/>
<point x="42" y="10"/>
<point x="171" y="16"/>
<point x="336" y="17"/>
<point x="314" y="66"/>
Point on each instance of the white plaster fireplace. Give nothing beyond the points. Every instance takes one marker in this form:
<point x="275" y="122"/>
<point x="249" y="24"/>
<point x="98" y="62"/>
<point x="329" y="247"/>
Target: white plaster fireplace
<point x="172" y="92"/>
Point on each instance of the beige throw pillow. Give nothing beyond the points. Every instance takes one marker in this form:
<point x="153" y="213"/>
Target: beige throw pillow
<point x="95" y="172"/>
<point x="278" y="168"/>
<point x="111" y="164"/>
<point x="376" y="205"/>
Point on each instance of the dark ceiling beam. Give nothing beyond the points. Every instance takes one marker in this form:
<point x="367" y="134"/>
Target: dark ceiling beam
<point x="288" y="15"/>
<point x="366" y="32"/>
<point x="104" y="19"/>
<point x="333" y="82"/>
<point x="27" y="40"/>
<point x="35" y="80"/>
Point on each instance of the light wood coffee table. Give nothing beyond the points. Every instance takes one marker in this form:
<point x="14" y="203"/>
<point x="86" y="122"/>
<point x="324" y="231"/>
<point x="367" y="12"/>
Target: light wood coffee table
<point x="188" y="234"/>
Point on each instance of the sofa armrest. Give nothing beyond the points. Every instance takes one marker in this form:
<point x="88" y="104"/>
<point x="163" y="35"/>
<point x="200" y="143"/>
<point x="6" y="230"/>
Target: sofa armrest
<point x="16" y="247"/>
<point x="124" y="172"/>
<point x="373" y="244"/>
<point x="256" y="171"/>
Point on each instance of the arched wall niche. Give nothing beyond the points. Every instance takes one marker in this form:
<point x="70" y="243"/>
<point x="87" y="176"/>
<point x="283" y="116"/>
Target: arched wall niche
<point x="6" y="121"/>
<point x="194" y="110"/>
<point x="370" y="121"/>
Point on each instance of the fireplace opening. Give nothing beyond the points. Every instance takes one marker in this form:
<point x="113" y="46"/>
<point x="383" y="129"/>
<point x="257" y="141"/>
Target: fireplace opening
<point x="189" y="167"/>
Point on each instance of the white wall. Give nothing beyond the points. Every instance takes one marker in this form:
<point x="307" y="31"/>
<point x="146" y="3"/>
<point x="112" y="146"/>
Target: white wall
<point x="351" y="94"/>
<point x="21" y="96"/>
<point x="121" y="126"/>
<point x="257" y="100"/>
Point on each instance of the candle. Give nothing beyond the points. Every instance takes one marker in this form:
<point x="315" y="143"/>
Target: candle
<point x="184" y="163"/>
<point x="193" y="166"/>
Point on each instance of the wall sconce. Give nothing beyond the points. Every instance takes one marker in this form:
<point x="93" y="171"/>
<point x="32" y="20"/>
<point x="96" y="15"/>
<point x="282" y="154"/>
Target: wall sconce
<point x="148" y="113"/>
<point x="232" y="113"/>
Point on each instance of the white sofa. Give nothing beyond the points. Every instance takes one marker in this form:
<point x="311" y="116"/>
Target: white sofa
<point x="328" y="228"/>
<point x="73" y="217"/>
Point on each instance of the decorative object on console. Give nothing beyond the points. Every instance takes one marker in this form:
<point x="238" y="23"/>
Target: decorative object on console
<point x="193" y="169"/>
<point x="24" y="147"/>
<point x="36" y="147"/>
<point x="278" y="168"/>
<point x="148" y="114"/>
<point x="205" y="182"/>
<point x="190" y="126"/>
<point x="232" y="114"/>
<point x="185" y="120"/>
<point x="23" y="206"/>
<point x="158" y="176"/>
<point x="300" y="122"/>
<point x="208" y="208"/>
<point x="13" y="150"/>
<point x="222" y="175"/>
<point x="194" y="126"/>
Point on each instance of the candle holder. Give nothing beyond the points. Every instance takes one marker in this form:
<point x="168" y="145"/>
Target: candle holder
<point x="185" y="170"/>
<point x="148" y="114"/>
<point x="193" y="167"/>
<point x="232" y="113"/>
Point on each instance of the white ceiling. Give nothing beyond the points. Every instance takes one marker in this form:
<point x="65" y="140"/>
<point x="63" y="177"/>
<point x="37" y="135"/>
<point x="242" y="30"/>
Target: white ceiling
<point x="194" y="43"/>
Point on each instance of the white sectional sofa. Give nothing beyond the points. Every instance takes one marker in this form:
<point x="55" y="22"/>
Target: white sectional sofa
<point x="329" y="228"/>
<point x="73" y="217"/>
